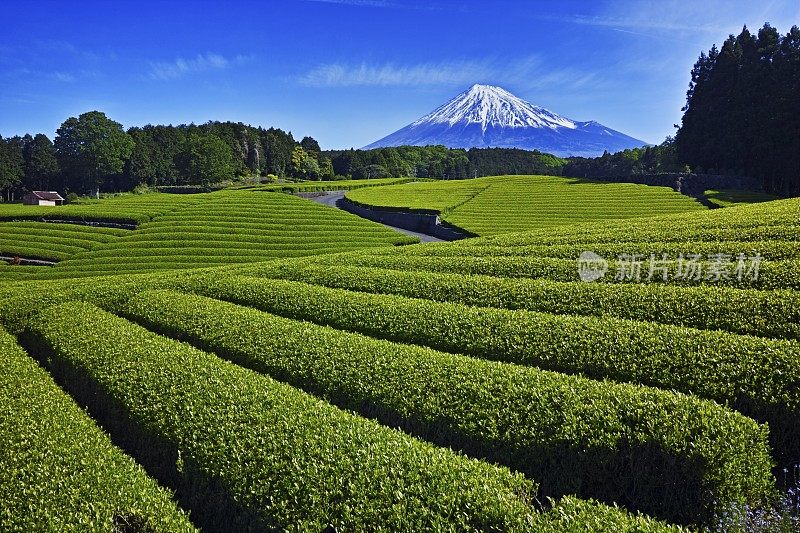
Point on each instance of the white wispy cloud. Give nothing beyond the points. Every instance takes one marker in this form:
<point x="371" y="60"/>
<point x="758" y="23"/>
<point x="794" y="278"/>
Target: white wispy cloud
<point x="63" y="76"/>
<point x="529" y="72"/>
<point x="660" y="23"/>
<point x="422" y="5"/>
<point x="389" y="74"/>
<point x="38" y="75"/>
<point x="170" y="70"/>
<point x="690" y="20"/>
<point x="364" y="3"/>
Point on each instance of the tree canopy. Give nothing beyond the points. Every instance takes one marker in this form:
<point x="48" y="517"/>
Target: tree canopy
<point x="11" y="164"/>
<point x="440" y="162"/>
<point x="742" y="109"/>
<point x="91" y="148"/>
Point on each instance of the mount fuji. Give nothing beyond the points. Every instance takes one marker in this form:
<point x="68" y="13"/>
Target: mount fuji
<point x="486" y="116"/>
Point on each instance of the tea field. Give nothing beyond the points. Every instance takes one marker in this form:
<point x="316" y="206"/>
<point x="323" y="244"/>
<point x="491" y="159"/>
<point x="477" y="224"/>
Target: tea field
<point x="177" y="231"/>
<point x="503" y="204"/>
<point x="249" y="360"/>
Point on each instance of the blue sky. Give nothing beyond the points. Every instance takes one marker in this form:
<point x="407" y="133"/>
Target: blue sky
<point x="348" y="72"/>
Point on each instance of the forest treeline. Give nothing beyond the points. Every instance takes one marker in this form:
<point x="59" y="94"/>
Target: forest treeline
<point x="742" y="113"/>
<point x="93" y="153"/>
<point x="439" y="162"/>
<point x="740" y="119"/>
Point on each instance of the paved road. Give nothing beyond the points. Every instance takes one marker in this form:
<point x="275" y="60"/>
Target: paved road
<point x="331" y="199"/>
<point x="27" y="261"/>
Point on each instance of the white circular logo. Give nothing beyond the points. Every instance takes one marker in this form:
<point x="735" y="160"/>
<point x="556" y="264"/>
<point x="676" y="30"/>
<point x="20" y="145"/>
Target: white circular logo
<point x="591" y="266"/>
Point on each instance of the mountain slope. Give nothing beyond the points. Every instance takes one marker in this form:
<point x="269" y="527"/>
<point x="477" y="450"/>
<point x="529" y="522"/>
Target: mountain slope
<point x="487" y="116"/>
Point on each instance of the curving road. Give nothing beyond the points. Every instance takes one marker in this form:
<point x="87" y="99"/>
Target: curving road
<point x="332" y="198"/>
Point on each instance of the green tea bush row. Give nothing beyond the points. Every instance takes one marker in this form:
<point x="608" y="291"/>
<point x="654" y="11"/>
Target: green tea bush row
<point x="771" y="274"/>
<point x="574" y="435"/>
<point x="48" y="241"/>
<point x="71" y="231"/>
<point x="249" y="452"/>
<point x="240" y="250"/>
<point x="779" y="220"/>
<point x="263" y="235"/>
<point x="20" y="302"/>
<point x="500" y="204"/>
<point x="773" y="313"/>
<point x="770" y="250"/>
<point x="59" y="471"/>
<point x="648" y="229"/>
<point x="756" y="376"/>
<point x="45" y="254"/>
<point x="54" y="243"/>
<point x="231" y="226"/>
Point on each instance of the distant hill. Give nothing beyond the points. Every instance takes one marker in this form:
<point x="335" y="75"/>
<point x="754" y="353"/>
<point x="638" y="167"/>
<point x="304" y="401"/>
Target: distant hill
<point x="487" y="116"/>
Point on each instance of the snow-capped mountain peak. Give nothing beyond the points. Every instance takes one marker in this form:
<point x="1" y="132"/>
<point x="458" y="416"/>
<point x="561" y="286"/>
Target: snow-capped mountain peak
<point x="489" y="105"/>
<point x="487" y="116"/>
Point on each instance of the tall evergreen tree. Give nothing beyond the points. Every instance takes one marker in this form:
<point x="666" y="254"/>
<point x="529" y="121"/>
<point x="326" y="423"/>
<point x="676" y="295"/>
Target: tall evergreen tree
<point x="742" y="107"/>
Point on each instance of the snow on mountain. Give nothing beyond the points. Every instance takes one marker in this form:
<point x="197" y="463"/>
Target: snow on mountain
<point x="488" y="105"/>
<point x="488" y="116"/>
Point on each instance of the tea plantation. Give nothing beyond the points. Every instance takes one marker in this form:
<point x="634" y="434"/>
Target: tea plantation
<point x="503" y="204"/>
<point x="177" y="231"/>
<point x="250" y="360"/>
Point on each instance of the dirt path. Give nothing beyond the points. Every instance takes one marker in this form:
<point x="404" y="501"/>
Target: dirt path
<point x="332" y="198"/>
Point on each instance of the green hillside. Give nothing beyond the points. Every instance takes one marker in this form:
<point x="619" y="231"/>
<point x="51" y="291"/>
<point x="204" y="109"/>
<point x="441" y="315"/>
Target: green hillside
<point x="184" y="231"/>
<point x="492" y="347"/>
<point x="504" y="204"/>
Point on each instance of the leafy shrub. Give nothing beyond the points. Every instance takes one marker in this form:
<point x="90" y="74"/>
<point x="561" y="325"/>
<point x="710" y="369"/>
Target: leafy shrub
<point x="58" y="470"/>
<point x="248" y="452"/>
<point x="756" y="376"/>
<point x="773" y="313"/>
<point x="616" y="442"/>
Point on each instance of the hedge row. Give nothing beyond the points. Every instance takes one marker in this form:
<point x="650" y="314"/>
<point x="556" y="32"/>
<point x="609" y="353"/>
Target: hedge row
<point x="33" y="253"/>
<point x="221" y="226"/>
<point x="171" y="248"/>
<point x="43" y="243"/>
<point x="21" y="302"/>
<point x="66" y="231"/>
<point x="771" y="250"/>
<point x="773" y="313"/>
<point x="257" y="237"/>
<point x="248" y="452"/>
<point x="109" y="215"/>
<point x="58" y="470"/>
<point x="678" y="229"/>
<point x="771" y="221"/>
<point x="258" y="224"/>
<point x="620" y="443"/>
<point x="500" y="204"/>
<point x="771" y="274"/>
<point x="756" y="376"/>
